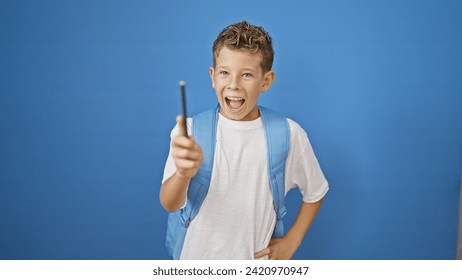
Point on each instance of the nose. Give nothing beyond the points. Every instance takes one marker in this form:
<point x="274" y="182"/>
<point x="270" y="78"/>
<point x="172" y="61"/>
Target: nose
<point x="234" y="83"/>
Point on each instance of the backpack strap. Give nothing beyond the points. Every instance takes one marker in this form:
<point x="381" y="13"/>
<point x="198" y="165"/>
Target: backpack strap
<point x="204" y="127"/>
<point x="204" y="132"/>
<point x="277" y="133"/>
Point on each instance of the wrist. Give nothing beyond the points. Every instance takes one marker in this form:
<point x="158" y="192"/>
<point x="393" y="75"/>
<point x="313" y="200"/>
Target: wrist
<point x="182" y="177"/>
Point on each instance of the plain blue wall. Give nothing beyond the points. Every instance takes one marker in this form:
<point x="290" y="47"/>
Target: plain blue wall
<point x="89" y="94"/>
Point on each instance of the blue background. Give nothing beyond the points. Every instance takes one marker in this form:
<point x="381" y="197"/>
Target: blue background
<point x="89" y="94"/>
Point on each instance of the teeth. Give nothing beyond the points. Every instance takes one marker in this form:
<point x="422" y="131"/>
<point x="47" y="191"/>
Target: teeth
<point x="235" y="98"/>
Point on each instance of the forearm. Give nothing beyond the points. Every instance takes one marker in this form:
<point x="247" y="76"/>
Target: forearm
<point x="188" y="157"/>
<point x="305" y="218"/>
<point x="173" y="192"/>
<point x="284" y="248"/>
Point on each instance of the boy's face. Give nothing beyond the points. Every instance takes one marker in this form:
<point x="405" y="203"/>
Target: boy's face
<point x="238" y="80"/>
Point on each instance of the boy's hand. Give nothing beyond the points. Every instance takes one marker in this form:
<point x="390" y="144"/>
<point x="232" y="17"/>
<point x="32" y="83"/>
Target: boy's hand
<point x="186" y="153"/>
<point x="284" y="248"/>
<point x="278" y="249"/>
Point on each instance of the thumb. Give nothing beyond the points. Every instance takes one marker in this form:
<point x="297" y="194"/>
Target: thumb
<point x="181" y="125"/>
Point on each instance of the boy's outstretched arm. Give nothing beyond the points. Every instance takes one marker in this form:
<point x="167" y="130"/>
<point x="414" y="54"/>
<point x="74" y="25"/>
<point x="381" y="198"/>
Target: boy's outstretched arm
<point x="283" y="248"/>
<point x="188" y="157"/>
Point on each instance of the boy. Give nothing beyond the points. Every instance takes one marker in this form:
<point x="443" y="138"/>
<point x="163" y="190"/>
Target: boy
<point x="237" y="217"/>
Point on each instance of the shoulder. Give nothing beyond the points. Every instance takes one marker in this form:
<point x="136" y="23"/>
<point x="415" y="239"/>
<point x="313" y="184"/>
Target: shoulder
<point x="299" y="141"/>
<point x="294" y="126"/>
<point x="296" y="131"/>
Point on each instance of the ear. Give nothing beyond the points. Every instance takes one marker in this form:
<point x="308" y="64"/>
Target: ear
<point x="212" y="73"/>
<point x="268" y="80"/>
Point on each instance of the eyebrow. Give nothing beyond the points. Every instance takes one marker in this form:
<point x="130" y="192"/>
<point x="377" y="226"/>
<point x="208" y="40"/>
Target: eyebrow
<point x="244" y="69"/>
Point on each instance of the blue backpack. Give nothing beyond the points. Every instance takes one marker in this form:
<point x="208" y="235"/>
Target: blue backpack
<point x="204" y="130"/>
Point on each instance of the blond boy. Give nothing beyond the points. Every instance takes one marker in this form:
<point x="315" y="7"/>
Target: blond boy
<point x="237" y="217"/>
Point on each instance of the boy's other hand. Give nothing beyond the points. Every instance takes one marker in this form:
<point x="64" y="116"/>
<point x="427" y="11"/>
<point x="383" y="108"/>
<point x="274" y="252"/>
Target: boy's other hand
<point x="278" y="249"/>
<point x="186" y="153"/>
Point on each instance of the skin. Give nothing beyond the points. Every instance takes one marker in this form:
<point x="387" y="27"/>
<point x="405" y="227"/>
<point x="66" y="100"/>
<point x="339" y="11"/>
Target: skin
<point x="284" y="248"/>
<point x="238" y="80"/>
<point x="188" y="157"/>
<point x="238" y="75"/>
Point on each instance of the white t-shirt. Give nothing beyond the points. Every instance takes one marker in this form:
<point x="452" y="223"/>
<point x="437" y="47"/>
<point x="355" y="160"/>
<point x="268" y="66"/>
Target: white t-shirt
<point x="237" y="217"/>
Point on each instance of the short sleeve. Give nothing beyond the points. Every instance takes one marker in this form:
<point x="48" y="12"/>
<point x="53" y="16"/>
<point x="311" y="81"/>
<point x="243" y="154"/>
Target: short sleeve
<point x="302" y="167"/>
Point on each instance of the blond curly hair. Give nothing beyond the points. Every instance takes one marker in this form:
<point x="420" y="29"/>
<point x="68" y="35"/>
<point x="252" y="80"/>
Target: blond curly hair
<point x="244" y="36"/>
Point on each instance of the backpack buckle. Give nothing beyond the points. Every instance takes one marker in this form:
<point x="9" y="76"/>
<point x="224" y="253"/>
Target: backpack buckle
<point x="185" y="220"/>
<point x="281" y="212"/>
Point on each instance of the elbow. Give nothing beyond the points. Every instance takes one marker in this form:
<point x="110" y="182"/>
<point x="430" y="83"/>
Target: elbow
<point x="169" y="207"/>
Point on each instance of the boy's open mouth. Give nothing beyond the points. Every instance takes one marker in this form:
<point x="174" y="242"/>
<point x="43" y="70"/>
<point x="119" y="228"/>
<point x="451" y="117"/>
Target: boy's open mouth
<point x="234" y="102"/>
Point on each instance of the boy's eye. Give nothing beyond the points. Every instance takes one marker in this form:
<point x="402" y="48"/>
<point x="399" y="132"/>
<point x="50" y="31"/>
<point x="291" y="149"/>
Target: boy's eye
<point x="222" y="72"/>
<point x="247" y="75"/>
